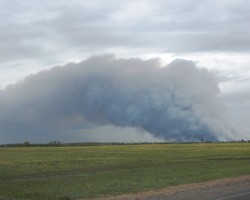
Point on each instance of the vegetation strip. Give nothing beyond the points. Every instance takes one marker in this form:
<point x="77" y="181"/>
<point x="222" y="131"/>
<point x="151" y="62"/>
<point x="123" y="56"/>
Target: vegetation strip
<point x="93" y="171"/>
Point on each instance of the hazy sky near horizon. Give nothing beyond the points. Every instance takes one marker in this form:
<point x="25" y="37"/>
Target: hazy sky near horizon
<point x="38" y="35"/>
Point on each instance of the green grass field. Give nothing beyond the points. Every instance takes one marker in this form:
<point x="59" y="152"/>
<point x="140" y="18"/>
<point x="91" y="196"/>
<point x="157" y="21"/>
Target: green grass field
<point x="92" y="171"/>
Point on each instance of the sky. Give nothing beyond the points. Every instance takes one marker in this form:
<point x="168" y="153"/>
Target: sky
<point x="211" y="38"/>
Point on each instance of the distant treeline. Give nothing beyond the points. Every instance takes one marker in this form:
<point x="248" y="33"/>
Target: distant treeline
<point x="58" y="143"/>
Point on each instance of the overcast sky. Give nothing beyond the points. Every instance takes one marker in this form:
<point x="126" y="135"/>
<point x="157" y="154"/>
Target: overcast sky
<point x="37" y="35"/>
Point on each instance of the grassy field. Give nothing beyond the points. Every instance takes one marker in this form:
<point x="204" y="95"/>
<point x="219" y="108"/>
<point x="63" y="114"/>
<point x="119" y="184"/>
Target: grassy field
<point x="90" y="171"/>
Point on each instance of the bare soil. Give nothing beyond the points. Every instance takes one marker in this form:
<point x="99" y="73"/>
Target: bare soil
<point x="205" y="190"/>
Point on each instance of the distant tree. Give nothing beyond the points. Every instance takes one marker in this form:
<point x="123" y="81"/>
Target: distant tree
<point x="26" y="143"/>
<point x="55" y="143"/>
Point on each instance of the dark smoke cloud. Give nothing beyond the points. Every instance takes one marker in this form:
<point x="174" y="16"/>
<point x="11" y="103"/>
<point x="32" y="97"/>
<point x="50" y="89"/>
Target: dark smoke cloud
<point x="178" y="101"/>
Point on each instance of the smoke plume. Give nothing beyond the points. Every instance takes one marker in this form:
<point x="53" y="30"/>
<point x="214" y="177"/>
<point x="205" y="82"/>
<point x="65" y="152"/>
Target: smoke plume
<point x="178" y="101"/>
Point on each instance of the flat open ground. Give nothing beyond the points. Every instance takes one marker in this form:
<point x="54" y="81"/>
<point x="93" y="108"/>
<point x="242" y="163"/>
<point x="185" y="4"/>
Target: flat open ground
<point x="99" y="171"/>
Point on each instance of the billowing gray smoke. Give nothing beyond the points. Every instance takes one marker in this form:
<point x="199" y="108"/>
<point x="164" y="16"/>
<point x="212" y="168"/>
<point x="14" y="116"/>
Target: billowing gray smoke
<point x="178" y="101"/>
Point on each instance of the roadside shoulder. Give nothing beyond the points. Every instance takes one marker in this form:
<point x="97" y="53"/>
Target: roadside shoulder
<point x="206" y="190"/>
